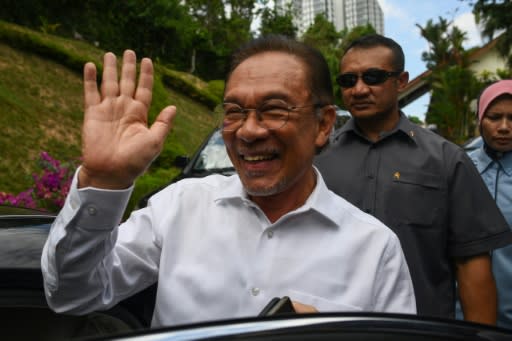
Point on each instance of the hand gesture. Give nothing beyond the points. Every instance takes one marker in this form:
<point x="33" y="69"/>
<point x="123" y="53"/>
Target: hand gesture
<point x="117" y="144"/>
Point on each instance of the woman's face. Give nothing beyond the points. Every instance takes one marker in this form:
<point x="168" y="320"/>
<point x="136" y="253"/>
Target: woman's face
<point x="496" y="124"/>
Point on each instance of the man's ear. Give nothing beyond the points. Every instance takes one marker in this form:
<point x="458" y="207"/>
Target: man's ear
<point x="403" y="80"/>
<point x="325" y="125"/>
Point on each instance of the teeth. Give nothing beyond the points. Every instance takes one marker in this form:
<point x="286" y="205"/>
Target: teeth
<point x="257" y="158"/>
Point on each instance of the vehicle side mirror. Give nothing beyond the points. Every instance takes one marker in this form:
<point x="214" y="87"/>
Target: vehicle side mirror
<point x="181" y="161"/>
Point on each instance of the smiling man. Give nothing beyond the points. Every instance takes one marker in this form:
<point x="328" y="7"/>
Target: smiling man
<point x="221" y="247"/>
<point x="422" y="186"/>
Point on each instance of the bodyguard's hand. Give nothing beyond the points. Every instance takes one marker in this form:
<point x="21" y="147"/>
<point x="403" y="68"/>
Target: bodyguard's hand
<point x="117" y="144"/>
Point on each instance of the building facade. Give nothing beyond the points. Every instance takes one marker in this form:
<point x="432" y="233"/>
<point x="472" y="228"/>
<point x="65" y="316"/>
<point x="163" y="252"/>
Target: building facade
<point x="342" y="13"/>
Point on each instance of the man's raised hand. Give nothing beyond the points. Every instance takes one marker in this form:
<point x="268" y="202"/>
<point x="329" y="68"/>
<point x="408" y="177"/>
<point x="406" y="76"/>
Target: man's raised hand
<point x="117" y="144"/>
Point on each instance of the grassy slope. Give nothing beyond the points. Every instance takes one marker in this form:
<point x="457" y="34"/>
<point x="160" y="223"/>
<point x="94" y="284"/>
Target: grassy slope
<point x="41" y="109"/>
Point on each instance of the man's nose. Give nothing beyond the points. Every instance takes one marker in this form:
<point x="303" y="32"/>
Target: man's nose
<point x="360" y="87"/>
<point x="251" y="127"/>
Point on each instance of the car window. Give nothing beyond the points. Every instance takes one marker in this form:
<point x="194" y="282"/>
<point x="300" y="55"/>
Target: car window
<point x="213" y="155"/>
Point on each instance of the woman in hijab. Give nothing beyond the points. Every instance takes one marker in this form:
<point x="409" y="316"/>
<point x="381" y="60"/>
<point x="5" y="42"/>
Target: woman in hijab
<point x="494" y="163"/>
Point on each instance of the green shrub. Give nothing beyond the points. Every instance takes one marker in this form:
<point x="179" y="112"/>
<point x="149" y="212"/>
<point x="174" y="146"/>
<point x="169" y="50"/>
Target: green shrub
<point x="216" y="88"/>
<point x="48" y="46"/>
<point x="148" y="183"/>
<point x="177" y="80"/>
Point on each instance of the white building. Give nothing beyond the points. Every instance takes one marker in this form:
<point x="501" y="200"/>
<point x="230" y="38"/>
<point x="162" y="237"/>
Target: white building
<point x="342" y="13"/>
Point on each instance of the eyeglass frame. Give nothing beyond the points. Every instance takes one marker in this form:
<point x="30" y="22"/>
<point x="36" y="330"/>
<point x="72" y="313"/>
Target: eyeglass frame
<point x="246" y="111"/>
<point x="361" y="75"/>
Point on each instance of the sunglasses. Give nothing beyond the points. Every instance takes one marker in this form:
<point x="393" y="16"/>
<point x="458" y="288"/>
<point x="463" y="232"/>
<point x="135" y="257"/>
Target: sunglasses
<point x="369" y="77"/>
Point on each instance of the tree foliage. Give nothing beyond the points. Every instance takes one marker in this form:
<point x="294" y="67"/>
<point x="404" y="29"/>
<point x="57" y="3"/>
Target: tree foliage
<point x="415" y="120"/>
<point x="194" y="36"/>
<point x="323" y="36"/>
<point x="189" y="35"/>
<point x="496" y="18"/>
<point x="348" y="36"/>
<point x="454" y="86"/>
<point x="276" y="20"/>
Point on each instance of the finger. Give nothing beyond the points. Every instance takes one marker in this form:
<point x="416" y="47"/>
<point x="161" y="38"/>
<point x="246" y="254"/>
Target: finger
<point x="163" y="123"/>
<point x="145" y="86"/>
<point x="301" y="308"/>
<point x="109" y="84"/>
<point x="128" y="72"/>
<point x="91" y="93"/>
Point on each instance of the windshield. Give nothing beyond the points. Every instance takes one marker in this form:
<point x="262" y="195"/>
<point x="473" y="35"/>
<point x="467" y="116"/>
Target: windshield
<point x="213" y="155"/>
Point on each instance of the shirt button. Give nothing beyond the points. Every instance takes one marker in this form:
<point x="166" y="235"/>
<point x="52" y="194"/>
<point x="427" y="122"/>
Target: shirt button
<point x="255" y="291"/>
<point x="270" y="234"/>
<point x="92" y="210"/>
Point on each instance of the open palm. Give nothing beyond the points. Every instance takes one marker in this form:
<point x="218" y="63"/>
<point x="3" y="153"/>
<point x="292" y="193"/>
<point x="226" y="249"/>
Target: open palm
<point x="117" y="143"/>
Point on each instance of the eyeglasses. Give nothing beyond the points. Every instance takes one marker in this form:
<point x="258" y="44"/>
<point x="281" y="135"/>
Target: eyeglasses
<point x="369" y="77"/>
<point x="272" y="114"/>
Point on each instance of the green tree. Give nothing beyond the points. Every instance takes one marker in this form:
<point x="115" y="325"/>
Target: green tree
<point x="415" y="119"/>
<point x="454" y="85"/>
<point x="277" y="20"/>
<point x="323" y="35"/>
<point x="348" y="36"/>
<point x="221" y="26"/>
<point x="167" y="34"/>
<point x="237" y="28"/>
<point x="496" y="17"/>
<point x="453" y="90"/>
<point x="188" y="35"/>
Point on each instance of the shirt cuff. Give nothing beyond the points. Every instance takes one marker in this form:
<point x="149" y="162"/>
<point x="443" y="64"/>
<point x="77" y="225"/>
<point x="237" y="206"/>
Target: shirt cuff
<point x="94" y="208"/>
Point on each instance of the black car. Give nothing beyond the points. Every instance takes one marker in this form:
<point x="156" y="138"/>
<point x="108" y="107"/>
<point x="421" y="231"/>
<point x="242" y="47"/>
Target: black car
<point x="24" y="313"/>
<point x="210" y="158"/>
<point x="328" y="327"/>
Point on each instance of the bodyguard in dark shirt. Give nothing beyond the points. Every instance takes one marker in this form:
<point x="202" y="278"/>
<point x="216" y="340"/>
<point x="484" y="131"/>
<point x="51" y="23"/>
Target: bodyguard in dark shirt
<point x="422" y="186"/>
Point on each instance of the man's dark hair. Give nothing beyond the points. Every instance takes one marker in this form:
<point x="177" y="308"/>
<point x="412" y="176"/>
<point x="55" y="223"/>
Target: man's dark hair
<point x="374" y="40"/>
<point x="316" y="67"/>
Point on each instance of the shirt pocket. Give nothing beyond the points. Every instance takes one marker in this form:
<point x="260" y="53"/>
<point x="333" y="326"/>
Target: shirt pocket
<point x="415" y="198"/>
<point x="320" y="303"/>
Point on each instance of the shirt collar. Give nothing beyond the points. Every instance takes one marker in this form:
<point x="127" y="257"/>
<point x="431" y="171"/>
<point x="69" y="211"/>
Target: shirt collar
<point x="233" y="191"/>
<point x="404" y="126"/>
<point x="320" y="199"/>
<point x="483" y="161"/>
<point x="506" y="163"/>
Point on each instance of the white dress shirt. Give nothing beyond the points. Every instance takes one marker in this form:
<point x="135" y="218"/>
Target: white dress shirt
<point x="215" y="254"/>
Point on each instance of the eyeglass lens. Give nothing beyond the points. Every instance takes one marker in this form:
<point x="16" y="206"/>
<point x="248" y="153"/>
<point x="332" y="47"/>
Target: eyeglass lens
<point x="272" y="115"/>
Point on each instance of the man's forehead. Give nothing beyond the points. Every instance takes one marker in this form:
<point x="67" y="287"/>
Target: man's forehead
<point x="272" y="62"/>
<point x="268" y="70"/>
<point x="367" y="57"/>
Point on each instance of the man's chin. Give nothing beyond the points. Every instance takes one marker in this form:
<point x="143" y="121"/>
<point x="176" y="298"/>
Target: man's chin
<point x="364" y="115"/>
<point x="260" y="191"/>
<point x="262" y="188"/>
